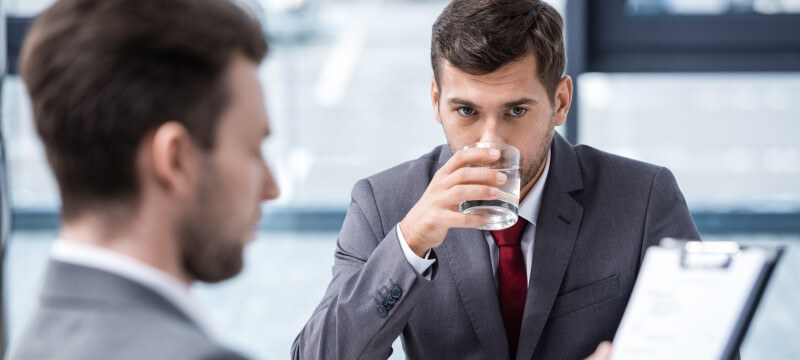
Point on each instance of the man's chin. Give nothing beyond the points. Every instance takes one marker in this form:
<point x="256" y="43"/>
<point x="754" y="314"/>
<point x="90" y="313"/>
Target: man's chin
<point x="220" y="275"/>
<point x="216" y="263"/>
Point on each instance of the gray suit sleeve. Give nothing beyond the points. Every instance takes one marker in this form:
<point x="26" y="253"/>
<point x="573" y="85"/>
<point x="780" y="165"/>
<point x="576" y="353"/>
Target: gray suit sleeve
<point x="348" y="323"/>
<point x="667" y="213"/>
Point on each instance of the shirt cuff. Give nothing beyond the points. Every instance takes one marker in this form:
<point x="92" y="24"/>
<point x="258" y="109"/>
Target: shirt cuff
<point x="419" y="264"/>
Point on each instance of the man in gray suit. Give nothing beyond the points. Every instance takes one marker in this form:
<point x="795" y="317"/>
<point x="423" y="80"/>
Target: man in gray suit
<point x="409" y="263"/>
<point x="152" y="117"/>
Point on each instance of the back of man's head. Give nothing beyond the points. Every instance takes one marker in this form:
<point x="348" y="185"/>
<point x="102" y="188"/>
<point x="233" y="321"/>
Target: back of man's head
<point x="102" y="73"/>
<point x="480" y="36"/>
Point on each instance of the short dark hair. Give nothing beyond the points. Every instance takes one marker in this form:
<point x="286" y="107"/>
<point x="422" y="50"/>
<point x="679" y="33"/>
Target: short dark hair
<point x="102" y="74"/>
<point x="480" y="36"/>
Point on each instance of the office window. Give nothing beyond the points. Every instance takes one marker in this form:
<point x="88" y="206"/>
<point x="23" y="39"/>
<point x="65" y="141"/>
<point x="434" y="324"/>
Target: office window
<point x="712" y="7"/>
<point x="25" y="7"/>
<point x="730" y="139"/>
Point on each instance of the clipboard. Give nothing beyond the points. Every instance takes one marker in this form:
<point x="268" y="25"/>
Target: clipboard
<point x="694" y="300"/>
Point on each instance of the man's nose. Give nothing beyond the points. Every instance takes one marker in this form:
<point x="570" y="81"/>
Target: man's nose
<point x="492" y="130"/>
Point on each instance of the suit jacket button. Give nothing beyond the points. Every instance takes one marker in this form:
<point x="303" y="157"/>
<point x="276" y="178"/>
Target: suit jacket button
<point x="382" y="311"/>
<point x="386" y="304"/>
<point x="397" y="292"/>
<point x="390" y="299"/>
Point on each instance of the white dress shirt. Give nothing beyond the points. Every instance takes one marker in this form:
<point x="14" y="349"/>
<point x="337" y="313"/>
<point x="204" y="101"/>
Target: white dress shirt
<point x="137" y="271"/>
<point x="528" y="210"/>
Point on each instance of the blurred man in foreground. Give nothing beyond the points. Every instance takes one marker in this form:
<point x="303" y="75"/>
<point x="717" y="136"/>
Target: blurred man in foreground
<point x="152" y="118"/>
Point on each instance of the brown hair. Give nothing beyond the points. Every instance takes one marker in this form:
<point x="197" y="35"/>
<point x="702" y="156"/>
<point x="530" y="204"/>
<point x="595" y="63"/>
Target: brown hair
<point x="101" y="74"/>
<point x="480" y="36"/>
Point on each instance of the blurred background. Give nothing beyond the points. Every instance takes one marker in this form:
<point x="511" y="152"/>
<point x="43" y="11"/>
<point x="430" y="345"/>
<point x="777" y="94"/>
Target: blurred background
<point x="708" y="88"/>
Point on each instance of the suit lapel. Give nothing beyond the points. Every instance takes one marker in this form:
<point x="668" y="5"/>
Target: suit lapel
<point x="467" y="254"/>
<point x="557" y="228"/>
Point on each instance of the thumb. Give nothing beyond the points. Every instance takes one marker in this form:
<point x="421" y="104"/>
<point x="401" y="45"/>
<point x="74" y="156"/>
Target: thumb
<point x="603" y="352"/>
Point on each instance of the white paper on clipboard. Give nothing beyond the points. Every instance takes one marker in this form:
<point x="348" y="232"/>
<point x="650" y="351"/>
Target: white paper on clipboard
<point x="687" y="305"/>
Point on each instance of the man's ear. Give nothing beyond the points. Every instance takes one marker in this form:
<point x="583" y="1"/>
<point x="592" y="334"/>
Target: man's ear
<point x="435" y="95"/>
<point x="172" y="158"/>
<point x="563" y="100"/>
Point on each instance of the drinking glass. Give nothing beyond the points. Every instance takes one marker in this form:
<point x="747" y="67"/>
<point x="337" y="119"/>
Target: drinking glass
<point x="501" y="213"/>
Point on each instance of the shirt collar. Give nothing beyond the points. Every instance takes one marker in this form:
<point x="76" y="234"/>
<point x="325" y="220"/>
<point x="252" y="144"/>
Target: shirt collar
<point x="529" y="208"/>
<point x="135" y="270"/>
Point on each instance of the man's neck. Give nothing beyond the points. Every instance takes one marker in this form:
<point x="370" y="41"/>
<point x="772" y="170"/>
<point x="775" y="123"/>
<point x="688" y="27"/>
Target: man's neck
<point x="148" y="246"/>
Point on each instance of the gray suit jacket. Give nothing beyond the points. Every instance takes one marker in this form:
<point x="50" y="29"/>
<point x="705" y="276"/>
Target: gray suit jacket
<point x="87" y="314"/>
<point x="599" y="213"/>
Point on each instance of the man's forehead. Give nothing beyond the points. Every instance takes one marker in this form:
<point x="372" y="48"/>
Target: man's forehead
<point x="521" y="72"/>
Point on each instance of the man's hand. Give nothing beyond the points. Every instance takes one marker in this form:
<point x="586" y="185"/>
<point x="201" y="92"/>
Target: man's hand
<point x="426" y="224"/>
<point x="603" y="352"/>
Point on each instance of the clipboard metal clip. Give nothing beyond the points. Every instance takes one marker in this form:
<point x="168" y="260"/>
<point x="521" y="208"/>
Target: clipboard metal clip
<point x="704" y="255"/>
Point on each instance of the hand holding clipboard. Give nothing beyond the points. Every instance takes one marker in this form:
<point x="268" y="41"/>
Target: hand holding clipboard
<point x="693" y="300"/>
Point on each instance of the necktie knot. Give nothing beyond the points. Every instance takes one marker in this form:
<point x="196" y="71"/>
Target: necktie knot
<point x="512" y="235"/>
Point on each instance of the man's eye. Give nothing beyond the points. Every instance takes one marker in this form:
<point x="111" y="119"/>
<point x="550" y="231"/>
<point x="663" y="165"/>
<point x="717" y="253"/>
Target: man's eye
<point x="518" y="111"/>
<point x="466" y="111"/>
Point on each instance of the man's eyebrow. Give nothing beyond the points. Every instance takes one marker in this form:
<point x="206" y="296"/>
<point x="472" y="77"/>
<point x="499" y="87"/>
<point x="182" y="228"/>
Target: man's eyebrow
<point x="459" y="101"/>
<point x="519" y="102"/>
<point x="508" y="104"/>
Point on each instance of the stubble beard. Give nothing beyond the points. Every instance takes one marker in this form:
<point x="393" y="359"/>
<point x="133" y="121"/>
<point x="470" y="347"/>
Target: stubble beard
<point x="209" y="250"/>
<point x="533" y="161"/>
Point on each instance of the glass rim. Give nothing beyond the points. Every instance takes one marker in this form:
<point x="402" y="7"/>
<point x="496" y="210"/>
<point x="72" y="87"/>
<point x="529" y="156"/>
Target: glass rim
<point x="510" y="156"/>
<point x="492" y="145"/>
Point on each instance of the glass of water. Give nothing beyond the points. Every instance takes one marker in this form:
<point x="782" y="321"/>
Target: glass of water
<point x="501" y="213"/>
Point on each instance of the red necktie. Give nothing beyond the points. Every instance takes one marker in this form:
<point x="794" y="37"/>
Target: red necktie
<point x="513" y="280"/>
